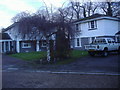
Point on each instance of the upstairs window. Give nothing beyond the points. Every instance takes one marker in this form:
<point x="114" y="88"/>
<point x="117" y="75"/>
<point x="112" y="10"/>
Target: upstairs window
<point x="77" y="27"/>
<point x="92" y="25"/>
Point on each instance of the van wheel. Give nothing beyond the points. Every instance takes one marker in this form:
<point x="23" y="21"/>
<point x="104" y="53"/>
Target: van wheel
<point x="91" y="54"/>
<point x="105" y="53"/>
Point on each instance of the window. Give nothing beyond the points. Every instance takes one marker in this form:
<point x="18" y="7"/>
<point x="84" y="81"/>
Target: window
<point x="77" y="27"/>
<point x="92" y="24"/>
<point x="118" y="39"/>
<point x="43" y="44"/>
<point x="78" y="42"/>
<point x="26" y="45"/>
<point x="109" y="41"/>
<point x="99" y="41"/>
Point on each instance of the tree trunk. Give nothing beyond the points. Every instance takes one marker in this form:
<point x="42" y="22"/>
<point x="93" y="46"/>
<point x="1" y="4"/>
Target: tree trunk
<point x="84" y="12"/>
<point x="109" y="9"/>
<point x="48" y="50"/>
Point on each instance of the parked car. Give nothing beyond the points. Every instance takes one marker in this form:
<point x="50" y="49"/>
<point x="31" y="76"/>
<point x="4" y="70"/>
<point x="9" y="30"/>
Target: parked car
<point x="102" y="46"/>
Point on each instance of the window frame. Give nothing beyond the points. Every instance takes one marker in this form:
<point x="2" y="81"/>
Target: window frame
<point x="23" y="45"/>
<point x="92" y="25"/>
<point x="42" y="43"/>
<point x="78" y="42"/>
<point x="78" y="27"/>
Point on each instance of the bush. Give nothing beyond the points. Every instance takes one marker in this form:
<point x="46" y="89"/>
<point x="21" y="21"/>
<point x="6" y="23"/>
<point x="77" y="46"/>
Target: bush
<point x="10" y="52"/>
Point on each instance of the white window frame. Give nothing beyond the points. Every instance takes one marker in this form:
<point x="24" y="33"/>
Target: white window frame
<point x="76" y="42"/>
<point x="23" y="45"/>
<point x="90" y="25"/>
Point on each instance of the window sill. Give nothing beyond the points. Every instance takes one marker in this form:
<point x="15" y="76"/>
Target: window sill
<point x="26" y="47"/>
<point x="92" y="29"/>
<point x="43" y="46"/>
<point x="78" y="46"/>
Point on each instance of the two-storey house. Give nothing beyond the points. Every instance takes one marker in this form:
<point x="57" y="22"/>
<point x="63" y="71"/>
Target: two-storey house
<point x="93" y="27"/>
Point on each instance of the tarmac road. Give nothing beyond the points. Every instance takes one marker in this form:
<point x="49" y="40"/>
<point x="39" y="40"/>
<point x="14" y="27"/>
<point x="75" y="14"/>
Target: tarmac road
<point x="49" y="80"/>
<point x="110" y="64"/>
<point x="18" y="74"/>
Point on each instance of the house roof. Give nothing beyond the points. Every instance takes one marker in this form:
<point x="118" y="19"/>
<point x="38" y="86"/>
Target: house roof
<point x="9" y="27"/>
<point x="95" y="16"/>
<point x="5" y="36"/>
<point x="118" y="33"/>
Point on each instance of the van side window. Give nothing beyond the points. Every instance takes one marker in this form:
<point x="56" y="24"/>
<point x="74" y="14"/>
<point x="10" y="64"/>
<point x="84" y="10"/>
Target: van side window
<point x="109" y="41"/>
<point x="113" y="41"/>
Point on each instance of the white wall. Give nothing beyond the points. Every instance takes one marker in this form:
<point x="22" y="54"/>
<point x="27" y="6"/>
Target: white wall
<point x="111" y="27"/>
<point x="104" y="27"/>
<point x="13" y="33"/>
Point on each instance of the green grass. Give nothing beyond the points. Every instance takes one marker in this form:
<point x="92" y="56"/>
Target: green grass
<point x="78" y="53"/>
<point x="75" y="54"/>
<point x="31" y="56"/>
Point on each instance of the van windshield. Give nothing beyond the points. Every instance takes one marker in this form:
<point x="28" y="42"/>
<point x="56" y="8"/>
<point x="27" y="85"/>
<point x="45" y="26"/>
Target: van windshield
<point x="100" y="41"/>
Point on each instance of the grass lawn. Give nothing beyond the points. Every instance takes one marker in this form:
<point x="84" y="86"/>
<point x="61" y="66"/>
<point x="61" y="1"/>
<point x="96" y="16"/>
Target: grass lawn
<point x="75" y="54"/>
<point x="31" y="56"/>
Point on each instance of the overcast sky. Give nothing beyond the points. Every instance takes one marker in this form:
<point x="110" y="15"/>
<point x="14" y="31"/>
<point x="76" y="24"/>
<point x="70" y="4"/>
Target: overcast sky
<point x="9" y="8"/>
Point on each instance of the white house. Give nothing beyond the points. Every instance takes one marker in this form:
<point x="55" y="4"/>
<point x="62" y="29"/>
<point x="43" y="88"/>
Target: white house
<point x="87" y="29"/>
<point x="27" y="44"/>
<point x="93" y="27"/>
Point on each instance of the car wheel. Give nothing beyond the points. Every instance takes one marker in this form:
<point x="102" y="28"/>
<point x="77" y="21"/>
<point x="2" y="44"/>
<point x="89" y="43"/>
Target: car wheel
<point x="105" y="53"/>
<point x="91" y="53"/>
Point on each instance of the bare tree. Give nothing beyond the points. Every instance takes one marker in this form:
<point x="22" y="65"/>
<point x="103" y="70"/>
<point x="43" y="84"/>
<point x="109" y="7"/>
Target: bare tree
<point x="34" y="26"/>
<point x="77" y="8"/>
<point x="110" y="8"/>
<point x="20" y="16"/>
<point x="83" y="9"/>
<point x="64" y="19"/>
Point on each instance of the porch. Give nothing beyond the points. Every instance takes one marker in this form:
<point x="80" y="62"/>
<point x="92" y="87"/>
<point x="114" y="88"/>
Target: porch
<point x="7" y="46"/>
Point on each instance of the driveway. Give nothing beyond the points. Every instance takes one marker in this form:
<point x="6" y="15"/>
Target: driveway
<point x="9" y="63"/>
<point x="98" y="64"/>
<point x="108" y="64"/>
